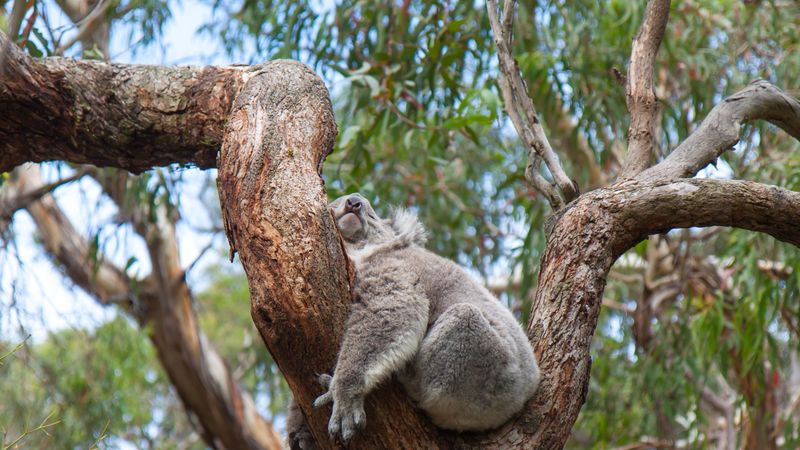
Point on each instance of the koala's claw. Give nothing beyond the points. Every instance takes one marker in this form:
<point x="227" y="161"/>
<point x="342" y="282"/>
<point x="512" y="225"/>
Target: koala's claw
<point x="323" y="399"/>
<point x="346" y="420"/>
<point x="327" y="397"/>
<point x="325" y="380"/>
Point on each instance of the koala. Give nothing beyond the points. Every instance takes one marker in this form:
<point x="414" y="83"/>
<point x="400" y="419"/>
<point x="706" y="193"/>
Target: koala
<point x="459" y="353"/>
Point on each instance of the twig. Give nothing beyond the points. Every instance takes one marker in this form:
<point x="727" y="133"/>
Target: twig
<point x="11" y="205"/>
<point x="530" y="131"/>
<point x="87" y="25"/>
<point x="639" y="92"/>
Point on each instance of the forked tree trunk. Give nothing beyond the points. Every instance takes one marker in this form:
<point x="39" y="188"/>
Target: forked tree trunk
<point x="274" y="206"/>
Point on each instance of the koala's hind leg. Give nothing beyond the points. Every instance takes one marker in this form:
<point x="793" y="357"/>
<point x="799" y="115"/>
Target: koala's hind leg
<point x="299" y="436"/>
<point x="466" y="375"/>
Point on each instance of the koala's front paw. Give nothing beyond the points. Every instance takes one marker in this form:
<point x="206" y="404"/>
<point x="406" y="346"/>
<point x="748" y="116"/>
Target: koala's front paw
<point x="348" y="411"/>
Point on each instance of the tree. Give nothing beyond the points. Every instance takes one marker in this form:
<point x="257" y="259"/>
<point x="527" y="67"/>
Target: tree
<point x="281" y="128"/>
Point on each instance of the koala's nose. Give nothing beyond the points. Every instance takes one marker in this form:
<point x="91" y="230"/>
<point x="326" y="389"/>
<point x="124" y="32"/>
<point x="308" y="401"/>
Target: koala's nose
<point x="353" y="204"/>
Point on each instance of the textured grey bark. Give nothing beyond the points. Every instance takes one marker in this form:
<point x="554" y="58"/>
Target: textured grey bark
<point x="126" y="116"/>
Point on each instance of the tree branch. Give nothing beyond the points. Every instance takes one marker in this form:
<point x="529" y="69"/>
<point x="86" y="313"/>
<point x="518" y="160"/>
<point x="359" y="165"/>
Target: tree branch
<point x="201" y="377"/>
<point x="640" y="96"/>
<point x="721" y="129"/>
<point x="18" y="9"/>
<point x="706" y="202"/>
<point x="103" y="280"/>
<point x="128" y="116"/>
<point x="9" y="204"/>
<point x="589" y="235"/>
<point x="87" y="25"/>
<point x="515" y="95"/>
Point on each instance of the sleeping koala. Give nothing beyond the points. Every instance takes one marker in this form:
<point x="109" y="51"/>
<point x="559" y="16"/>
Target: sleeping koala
<point x="456" y="349"/>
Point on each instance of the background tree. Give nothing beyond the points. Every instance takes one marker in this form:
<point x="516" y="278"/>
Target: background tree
<point x="697" y="346"/>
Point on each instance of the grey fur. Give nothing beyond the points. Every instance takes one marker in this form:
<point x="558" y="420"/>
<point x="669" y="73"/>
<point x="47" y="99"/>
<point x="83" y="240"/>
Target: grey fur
<point x="458" y="351"/>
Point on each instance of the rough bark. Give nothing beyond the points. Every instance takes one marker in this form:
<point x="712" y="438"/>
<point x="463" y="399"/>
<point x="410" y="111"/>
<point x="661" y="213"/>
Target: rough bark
<point x="126" y="116"/>
<point x="639" y="93"/>
<point x="227" y="415"/>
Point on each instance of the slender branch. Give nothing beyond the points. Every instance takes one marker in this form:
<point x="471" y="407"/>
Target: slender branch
<point x="103" y="280"/>
<point x="721" y="129"/>
<point x="15" y="18"/>
<point x="640" y="95"/>
<point x="87" y="25"/>
<point x="540" y="184"/>
<point x="11" y="204"/>
<point x="515" y="95"/>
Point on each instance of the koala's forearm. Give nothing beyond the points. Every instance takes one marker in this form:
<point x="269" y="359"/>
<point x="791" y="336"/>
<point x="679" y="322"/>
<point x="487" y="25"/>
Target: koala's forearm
<point x="383" y="334"/>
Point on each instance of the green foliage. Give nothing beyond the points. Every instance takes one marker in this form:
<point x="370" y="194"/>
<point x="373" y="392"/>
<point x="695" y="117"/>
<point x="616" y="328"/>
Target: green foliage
<point x="105" y="386"/>
<point x="100" y="385"/>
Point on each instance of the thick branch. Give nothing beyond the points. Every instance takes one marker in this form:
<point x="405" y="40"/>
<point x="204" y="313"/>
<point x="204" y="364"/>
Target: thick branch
<point x="721" y="129"/>
<point x="639" y="93"/>
<point x="707" y="202"/>
<point x="589" y="235"/>
<point x="128" y="116"/>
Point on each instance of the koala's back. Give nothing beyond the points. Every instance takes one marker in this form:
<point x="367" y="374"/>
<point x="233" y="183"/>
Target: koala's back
<point x="445" y="284"/>
<point x="475" y="367"/>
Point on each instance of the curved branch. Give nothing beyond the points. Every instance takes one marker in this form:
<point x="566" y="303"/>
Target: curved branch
<point x="652" y="208"/>
<point x="721" y="129"/>
<point x="128" y="116"/>
<point x="530" y="130"/>
<point x="589" y="235"/>
<point x="639" y="93"/>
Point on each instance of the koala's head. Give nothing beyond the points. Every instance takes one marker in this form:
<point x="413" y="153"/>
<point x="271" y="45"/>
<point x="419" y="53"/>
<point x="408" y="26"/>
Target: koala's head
<point x="358" y="222"/>
<point x="360" y="226"/>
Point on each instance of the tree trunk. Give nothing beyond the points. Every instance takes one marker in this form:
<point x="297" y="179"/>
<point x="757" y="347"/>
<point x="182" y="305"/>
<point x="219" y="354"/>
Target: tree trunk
<point x="274" y="206"/>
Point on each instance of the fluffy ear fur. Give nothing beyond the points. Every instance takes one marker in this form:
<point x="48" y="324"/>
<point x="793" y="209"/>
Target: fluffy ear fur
<point x="407" y="227"/>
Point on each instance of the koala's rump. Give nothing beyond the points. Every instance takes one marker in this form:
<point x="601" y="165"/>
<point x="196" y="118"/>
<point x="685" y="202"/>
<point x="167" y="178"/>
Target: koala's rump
<point x="474" y="368"/>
